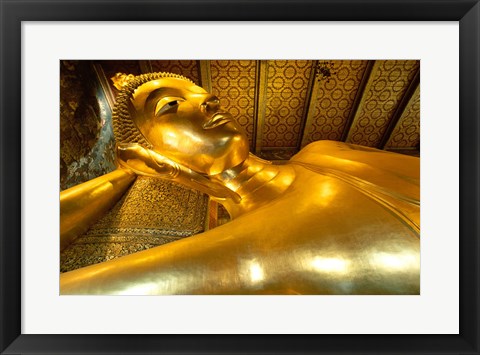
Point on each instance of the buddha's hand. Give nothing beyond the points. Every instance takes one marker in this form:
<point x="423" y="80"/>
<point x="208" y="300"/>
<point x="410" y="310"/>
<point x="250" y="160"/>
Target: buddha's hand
<point x="144" y="161"/>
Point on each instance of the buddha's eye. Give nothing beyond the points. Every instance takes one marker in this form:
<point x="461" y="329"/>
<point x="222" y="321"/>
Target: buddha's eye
<point x="167" y="104"/>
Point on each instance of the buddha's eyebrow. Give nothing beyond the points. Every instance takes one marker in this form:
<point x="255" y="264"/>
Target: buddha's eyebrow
<point x="157" y="95"/>
<point x="163" y="92"/>
<point x="197" y="89"/>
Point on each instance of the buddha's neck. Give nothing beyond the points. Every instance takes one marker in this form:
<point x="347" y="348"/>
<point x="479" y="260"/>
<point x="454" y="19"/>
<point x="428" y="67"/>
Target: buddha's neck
<point x="256" y="182"/>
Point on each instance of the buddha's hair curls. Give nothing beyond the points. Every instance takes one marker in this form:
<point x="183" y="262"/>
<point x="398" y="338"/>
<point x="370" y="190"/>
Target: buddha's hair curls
<point x="124" y="128"/>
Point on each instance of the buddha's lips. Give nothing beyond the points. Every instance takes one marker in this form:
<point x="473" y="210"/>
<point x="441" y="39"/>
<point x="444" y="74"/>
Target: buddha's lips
<point x="218" y="119"/>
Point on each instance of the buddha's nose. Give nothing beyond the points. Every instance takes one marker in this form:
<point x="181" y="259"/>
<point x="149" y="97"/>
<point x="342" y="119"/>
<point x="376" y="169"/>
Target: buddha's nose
<point x="211" y="104"/>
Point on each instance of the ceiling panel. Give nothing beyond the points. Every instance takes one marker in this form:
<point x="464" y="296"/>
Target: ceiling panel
<point x="233" y="82"/>
<point x="332" y="100"/>
<point x="187" y="68"/>
<point x="407" y="132"/>
<point x="385" y="89"/>
<point x="287" y="87"/>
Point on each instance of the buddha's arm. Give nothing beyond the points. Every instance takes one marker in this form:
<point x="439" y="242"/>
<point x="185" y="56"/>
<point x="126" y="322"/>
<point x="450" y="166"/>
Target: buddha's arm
<point x="396" y="172"/>
<point x="82" y="205"/>
<point x="226" y="260"/>
<point x="277" y="250"/>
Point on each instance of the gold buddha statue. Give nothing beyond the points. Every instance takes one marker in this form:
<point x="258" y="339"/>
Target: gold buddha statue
<point x="337" y="218"/>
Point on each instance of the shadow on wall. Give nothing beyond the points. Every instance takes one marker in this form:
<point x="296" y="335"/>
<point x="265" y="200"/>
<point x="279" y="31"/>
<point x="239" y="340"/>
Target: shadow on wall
<point x="87" y="144"/>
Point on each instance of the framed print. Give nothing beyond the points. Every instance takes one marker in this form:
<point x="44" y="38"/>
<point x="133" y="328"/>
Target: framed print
<point x="44" y="43"/>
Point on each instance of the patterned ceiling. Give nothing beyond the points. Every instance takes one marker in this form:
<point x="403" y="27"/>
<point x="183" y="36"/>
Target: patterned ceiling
<point x="286" y="104"/>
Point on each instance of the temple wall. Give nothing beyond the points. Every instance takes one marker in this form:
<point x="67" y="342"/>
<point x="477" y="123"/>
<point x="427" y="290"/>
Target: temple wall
<point x="86" y="135"/>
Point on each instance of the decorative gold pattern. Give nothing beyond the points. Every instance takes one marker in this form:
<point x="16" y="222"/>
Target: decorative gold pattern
<point x="156" y="207"/>
<point x="407" y="132"/>
<point x="388" y="83"/>
<point x="333" y="101"/>
<point x="287" y="85"/>
<point x="233" y="82"/>
<point x="187" y="68"/>
<point x="153" y="212"/>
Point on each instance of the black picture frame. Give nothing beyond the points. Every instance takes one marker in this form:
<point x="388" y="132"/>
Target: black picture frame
<point x="13" y="12"/>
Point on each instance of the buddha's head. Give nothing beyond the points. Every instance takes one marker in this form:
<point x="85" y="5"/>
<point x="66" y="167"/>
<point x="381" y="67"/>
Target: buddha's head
<point x="179" y="120"/>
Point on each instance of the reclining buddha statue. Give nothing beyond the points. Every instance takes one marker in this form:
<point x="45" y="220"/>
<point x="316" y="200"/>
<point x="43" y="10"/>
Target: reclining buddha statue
<point x="336" y="218"/>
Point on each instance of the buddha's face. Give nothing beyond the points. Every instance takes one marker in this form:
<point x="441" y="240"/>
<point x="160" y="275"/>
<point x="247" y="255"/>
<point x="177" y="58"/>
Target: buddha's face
<point x="186" y="124"/>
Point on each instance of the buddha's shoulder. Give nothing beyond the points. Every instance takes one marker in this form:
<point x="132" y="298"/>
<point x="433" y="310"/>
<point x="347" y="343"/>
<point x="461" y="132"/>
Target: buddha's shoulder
<point x="336" y="154"/>
<point x="327" y="147"/>
<point x="396" y="173"/>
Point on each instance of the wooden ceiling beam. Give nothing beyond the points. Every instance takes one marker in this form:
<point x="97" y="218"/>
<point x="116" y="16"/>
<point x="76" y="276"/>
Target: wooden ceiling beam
<point x="261" y="78"/>
<point x="399" y="110"/>
<point x="358" y="99"/>
<point x="309" y="107"/>
<point x="105" y="84"/>
<point x="205" y="74"/>
<point x="145" y="66"/>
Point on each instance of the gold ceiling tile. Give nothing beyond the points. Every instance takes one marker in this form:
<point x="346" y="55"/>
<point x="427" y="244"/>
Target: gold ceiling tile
<point x="233" y="82"/>
<point x="332" y="101"/>
<point x="287" y="86"/>
<point x="407" y="131"/>
<point x="187" y="68"/>
<point x="388" y="83"/>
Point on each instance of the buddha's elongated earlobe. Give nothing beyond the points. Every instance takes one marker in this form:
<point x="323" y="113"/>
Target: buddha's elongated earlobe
<point x="144" y="161"/>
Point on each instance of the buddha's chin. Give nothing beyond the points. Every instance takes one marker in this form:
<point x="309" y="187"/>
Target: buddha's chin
<point x="219" y="167"/>
<point x="228" y="161"/>
<point x="233" y="157"/>
<point x="212" y="162"/>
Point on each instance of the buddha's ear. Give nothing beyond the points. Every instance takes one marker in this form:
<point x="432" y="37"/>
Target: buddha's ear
<point x="143" y="161"/>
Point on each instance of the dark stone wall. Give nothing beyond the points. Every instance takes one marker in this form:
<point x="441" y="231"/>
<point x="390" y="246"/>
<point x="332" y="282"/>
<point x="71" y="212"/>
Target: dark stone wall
<point x="87" y="144"/>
